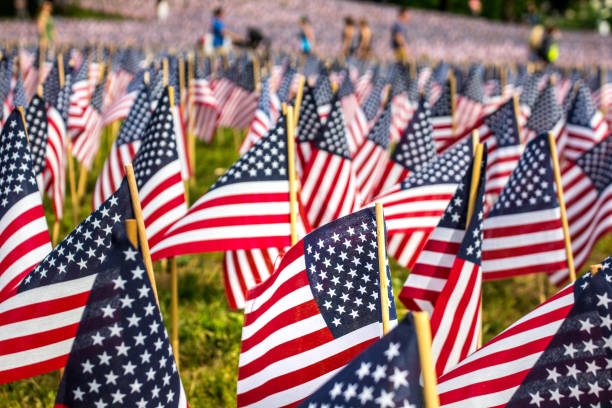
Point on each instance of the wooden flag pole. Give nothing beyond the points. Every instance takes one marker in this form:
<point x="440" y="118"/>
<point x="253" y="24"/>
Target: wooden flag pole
<point x="566" y="234"/>
<point x="475" y="141"/>
<point x="595" y="268"/>
<point x="517" y="113"/>
<point x="292" y="179"/>
<point x="474" y="186"/>
<point x="131" y="230"/>
<point x="298" y="98"/>
<point x="142" y="233"/>
<point x="191" y="114"/>
<point x="174" y="339"/>
<point x="256" y="75"/>
<point x="60" y="69"/>
<point x="382" y="268"/>
<point x="603" y="101"/>
<point x="430" y="382"/>
<point x="503" y="80"/>
<point x="165" y="72"/>
<point x="72" y="183"/>
<point x="453" y="91"/>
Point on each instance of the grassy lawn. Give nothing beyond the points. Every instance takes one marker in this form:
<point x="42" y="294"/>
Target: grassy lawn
<point x="210" y="333"/>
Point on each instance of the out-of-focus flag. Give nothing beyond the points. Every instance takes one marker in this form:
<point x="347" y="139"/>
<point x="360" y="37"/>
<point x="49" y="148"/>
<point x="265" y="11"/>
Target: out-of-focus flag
<point x="87" y="143"/>
<point x="262" y="120"/>
<point x="319" y="309"/>
<point x="206" y="108"/>
<point x="470" y="102"/>
<point x="442" y="119"/>
<point x="240" y="106"/>
<point x="414" y="207"/>
<point x="523" y="232"/>
<point x="373" y="103"/>
<point x="248" y="207"/>
<point x="357" y="123"/>
<point x="323" y="93"/>
<point x="119" y="108"/>
<point x="329" y="185"/>
<point x="402" y="107"/>
<point x="529" y="95"/>
<point x="556" y="355"/>
<point x="547" y="116"/>
<point x="308" y="127"/>
<point x="79" y="101"/>
<point x="24" y="235"/>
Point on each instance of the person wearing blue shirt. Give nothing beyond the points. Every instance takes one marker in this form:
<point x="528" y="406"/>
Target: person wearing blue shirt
<point x="219" y="31"/>
<point x="399" y="37"/>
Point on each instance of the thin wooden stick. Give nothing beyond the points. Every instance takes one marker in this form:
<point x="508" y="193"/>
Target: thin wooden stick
<point x="256" y="78"/>
<point x="517" y="113"/>
<point x="595" y="268"/>
<point x="453" y="91"/>
<point x="165" y="71"/>
<point x="191" y="114"/>
<point x="131" y="230"/>
<point x="603" y="79"/>
<point x="25" y="125"/>
<point x="60" y="69"/>
<point x="82" y="182"/>
<point x="142" y="233"/>
<point x="55" y="233"/>
<point x="566" y="235"/>
<point x="174" y="339"/>
<point x="292" y="178"/>
<point x="430" y="382"/>
<point x="475" y="140"/>
<point x="298" y="98"/>
<point x="474" y="185"/>
<point x="72" y="183"/>
<point x="382" y="268"/>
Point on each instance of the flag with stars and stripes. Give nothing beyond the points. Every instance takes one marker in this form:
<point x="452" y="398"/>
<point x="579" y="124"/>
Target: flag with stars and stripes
<point x="248" y="207"/>
<point x="284" y="88"/>
<point x="430" y="274"/>
<point x="205" y="109"/>
<point x="329" y="185"/>
<point x="601" y="87"/>
<point x="403" y="108"/>
<point x="119" y="108"/>
<point x="314" y="314"/>
<point x="121" y="354"/>
<point x="357" y="123"/>
<point x="442" y="119"/>
<point x="157" y="169"/>
<point x="124" y="148"/>
<point x="6" y="77"/>
<point x="558" y="355"/>
<point x="369" y="162"/>
<point x="308" y="127"/>
<point x="470" y="102"/>
<point x="24" y="235"/>
<point x="587" y="183"/>
<point x="323" y="93"/>
<point x="547" y="116"/>
<point x="87" y="143"/>
<point x="262" y="120"/>
<point x="42" y="314"/>
<point x="529" y="95"/>
<point x="240" y="106"/>
<point x="523" y="232"/>
<point x="373" y="103"/>
<point x="19" y="96"/>
<point x="178" y="109"/>
<point x="386" y="374"/>
<point x="413" y="208"/>
<point x="37" y="125"/>
<point x="415" y="149"/>
<point x="585" y="125"/>
<point x="79" y="101"/>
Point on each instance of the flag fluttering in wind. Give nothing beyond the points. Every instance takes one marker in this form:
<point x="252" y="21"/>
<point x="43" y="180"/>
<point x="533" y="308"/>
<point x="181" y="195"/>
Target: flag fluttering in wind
<point x="442" y="119"/>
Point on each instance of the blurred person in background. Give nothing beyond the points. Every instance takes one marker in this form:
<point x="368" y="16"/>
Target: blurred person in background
<point x="219" y="31"/>
<point x="21" y="8"/>
<point x="399" y="36"/>
<point x="163" y="10"/>
<point x="306" y="35"/>
<point x="349" y="37"/>
<point x="548" y="52"/>
<point x="365" y="39"/>
<point x="46" y="29"/>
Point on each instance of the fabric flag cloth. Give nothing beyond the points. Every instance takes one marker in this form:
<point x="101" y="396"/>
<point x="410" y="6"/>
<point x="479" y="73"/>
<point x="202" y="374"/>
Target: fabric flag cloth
<point x="587" y="190"/>
<point x="357" y="123"/>
<point x="442" y="119"/>
<point x="430" y="274"/>
<point x="124" y="148"/>
<point x="413" y="208"/>
<point x="24" y="235"/>
<point x="79" y="101"/>
<point x="120" y="107"/>
<point x="240" y="106"/>
<point x="415" y="149"/>
<point x="262" y="120"/>
<point x="178" y="109"/>
<point x="386" y="374"/>
<point x="121" y="353"/>
<point x="558" y="355"/>
<point x="19" y="96"/>
<point x="205" y="110"/>
<point x="329" y="186"/>
<point x="157" y="169"/>
<point x="40" y="320"/>
<point x="369" y="162"/>
<point x="470" y="102"/>
<point x="585" y="125"/>
<point x="87" y="143"/>
<point x="323" y="93"/>
<point x="373" y="103"/>
<point x="248" y="207"/>
<point x="529" y="95"/>
<point x="547" y="116"/>
<point x="308" y="127"/>
<point x="402" y="111"/>
<point x="319" y="309"/>
<point x="523" y="232"/>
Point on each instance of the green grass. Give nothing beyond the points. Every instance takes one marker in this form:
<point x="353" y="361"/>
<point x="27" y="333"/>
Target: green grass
<point x="209" y="332"/>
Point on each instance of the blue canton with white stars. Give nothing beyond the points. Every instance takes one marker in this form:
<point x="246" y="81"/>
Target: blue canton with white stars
<point x="346" y="87"/>
<point x="83" y="251"/>
<point x="17" y="180"/>
<point x="531" y="185"/>
<point x="322" y="89"/>
<point x="416" y="147"/>
<point x="583" y="108"/>
<point x="285" y="85"/>
<point x="379" y="133"/>
<point x="121" y="355"/>
<point x="596" y="163"/>
<point x="332" y="136"/>
<point x="266" y="160"/>
<point x="309" y="123"/>
<point x="473" y="88"/>
<point x="51" y="86"/>
<point x="447" y="168"/>
<point x="372" y="103"/>
<point x="443" y="107"/>
<point x="546" y="112"/>
<point x="385" y="375"/>
<point x="135" y="124"/>
<point x="575" y="370"/>
<point x="263" y="103"/>
<point x="19" y="96"/>
<point x="504" y="125"/>
<point x="471" y="245"/>
<point x="36" y="122"/>
<point x="342" y="265"/>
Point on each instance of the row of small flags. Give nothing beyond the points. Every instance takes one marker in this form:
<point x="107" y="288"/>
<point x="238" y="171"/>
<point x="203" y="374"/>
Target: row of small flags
<point x="486" y="183"/>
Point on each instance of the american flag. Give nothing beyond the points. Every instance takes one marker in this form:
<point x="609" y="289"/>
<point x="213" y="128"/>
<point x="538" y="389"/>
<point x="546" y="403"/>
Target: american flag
<point x="547" y="116"/>
<point x="121" y="353"/>
<point x="248" y="207"/>
<point x="119" y="108"/>
<point x="6" y="76"/>
<point x="372" y="104"/>
<point x="442" y="119"/>
<point x="438" y="77"/>
<point x="42" y="316"/>
<point x="124" y="148"/>
<point x="415" y="149"/>
<point x="369" y="162"/>
<point x="308" y="127"/>
<point x="319" y="309"/>
<point x="157" y="170"/>
<point x="323" y="93"/>
<point x="262" y="120"/>
<point x="529" y="95"/>
<point x="24" y="235"/>
<point x="364" y="85"/>
<point x="601" y="86"/>
<point x="357" y="123"/>
<point x="402" y="107"/>
<point x="586" y="187"/>
<point x="329" y="185"/>
<point x="386" y="374"/>
<point x="87" y="143"/>
<point x="470" y="102"/>
<point x="414" y="207"/>
<point x="178" y="109"/>
<point x="558" y="355"/>
<point x="523" y="233"/>
<point x="456" y="318"/>
<point x="585" y="125"/>
<point x="430" y="274"/>
<point x="36" y="122"/>
<point x="79" y="101"/>
<point x="19" y="96"/>
<point x="240" y="106"/>
<point x="206" y="109"/>
<point x="284" y="89"/>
